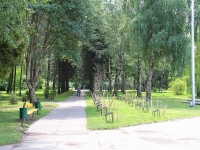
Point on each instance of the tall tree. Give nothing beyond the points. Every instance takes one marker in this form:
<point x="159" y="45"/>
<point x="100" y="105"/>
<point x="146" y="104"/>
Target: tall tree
<point x="58" y="25"/>
<point x="114" y="19"/>
<point x="13" y="36"/>
<point x="160" y="30"/>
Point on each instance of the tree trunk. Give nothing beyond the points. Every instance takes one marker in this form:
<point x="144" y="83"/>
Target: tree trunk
<point x="20" y="80"/>
<point x="110" y="81"/>
<point x="149" y="79"/>
<point x="67" y="83"/>
<point x="54" y="83"/>
<point x="48" y="76"/>
<point x="14" y="80"/>
<point x="59" y="76"/>
<point x="36" y="52"/>
<point x="32" y="95"/>
<point x="123" y="83"/>
<point x="91" y="84"/>
<point x="139" y="79"/>
<point x="33" y="74"/>
<point x="118" y="70"/>
<point x="63" y="81"/>
<point x="9" y="88"/>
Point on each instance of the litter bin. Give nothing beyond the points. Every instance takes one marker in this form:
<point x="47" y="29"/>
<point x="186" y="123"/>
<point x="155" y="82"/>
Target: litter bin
<point x="38" y="105"/>
<point x="23" y="113"/>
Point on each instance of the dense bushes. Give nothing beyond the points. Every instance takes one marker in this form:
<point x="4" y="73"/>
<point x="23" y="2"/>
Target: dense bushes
<point x="178" y="86"/>
<point x="13" y="99"/>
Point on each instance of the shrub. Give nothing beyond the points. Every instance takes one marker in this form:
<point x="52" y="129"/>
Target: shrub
<point x="27" y="94"/>
<point x="52" y="94"/>
<point x="13" y="99"/>
<point x="178" y="86"/>
<point x="24" y="98"/>
<point x="46" y="93"/>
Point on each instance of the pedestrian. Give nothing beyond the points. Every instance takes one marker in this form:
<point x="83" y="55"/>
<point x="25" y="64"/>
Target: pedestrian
<point x="78" y="93"/>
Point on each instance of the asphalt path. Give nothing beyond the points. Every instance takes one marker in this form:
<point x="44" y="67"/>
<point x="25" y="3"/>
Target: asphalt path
<point x="65" y="128"/>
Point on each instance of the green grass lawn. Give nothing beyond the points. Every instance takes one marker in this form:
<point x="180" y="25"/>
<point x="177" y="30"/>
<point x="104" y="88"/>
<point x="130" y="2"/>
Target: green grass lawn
<point x="11" y="130"/>
<point x="129" y="116"/>
<point x="126" y="116"/>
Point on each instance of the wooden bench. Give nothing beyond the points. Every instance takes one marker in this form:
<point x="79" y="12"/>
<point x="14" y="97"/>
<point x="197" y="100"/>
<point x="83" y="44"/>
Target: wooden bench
<point x="29" y="110"/>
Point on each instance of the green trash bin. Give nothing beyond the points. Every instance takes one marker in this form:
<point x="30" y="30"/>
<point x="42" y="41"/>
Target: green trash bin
<point x="23" y="113"/>
<point x="38" y="105"/>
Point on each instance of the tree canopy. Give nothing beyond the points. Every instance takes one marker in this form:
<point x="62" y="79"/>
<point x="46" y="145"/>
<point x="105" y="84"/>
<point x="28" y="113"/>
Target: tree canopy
<point x="103" y="40"/>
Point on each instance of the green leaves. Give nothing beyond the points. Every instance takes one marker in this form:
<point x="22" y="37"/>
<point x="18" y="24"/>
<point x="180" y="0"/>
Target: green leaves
<point x="160" y="29"/>
<point x="13" y="36"/>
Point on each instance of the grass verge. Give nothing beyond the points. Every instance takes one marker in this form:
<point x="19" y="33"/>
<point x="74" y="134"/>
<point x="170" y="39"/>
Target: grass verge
<point x="10" y="124"/>
<point x="129" y="116"/>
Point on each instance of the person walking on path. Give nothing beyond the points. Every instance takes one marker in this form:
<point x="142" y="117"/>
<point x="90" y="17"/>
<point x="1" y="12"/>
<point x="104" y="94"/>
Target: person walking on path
<point x="78" y="92"/>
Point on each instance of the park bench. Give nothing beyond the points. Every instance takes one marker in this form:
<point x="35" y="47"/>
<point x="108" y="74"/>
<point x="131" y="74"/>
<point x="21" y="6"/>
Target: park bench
<point x="28" y="111"/>
<point x="31" y="110"/>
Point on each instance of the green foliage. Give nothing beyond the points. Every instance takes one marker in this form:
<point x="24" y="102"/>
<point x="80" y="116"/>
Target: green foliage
<point x="24" y="98"/>
<point x="160" y="79"/>
<point x="27" y="94"/>
<point x="46" y="93"/>
<point x="3" y="84"/>
<point x="13" y="99"/>
<point x="13" y="36"/>
<point x="154" y="32"/>
<point x="178" y="86"/>
<point x="52" y="94"/>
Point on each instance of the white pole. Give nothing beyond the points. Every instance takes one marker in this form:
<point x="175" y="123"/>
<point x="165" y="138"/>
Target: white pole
<point x="193" y="58"/>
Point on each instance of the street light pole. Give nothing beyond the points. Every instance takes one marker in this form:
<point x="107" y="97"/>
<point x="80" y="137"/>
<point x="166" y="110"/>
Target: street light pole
<point x="193" y="58"/>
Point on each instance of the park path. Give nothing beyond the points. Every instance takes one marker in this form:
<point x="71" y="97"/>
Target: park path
<point x="65" y="128"/>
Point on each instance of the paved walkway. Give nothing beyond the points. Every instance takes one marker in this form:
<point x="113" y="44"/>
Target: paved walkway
<point x="65" y="128"/>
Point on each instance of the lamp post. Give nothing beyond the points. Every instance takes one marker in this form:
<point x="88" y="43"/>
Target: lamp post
<point x="192" y="57"/>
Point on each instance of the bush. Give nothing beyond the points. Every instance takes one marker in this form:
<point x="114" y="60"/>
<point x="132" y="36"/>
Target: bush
<point x="13" y="99"/>
<point x="27" y="94"/>
<point x="52" y="94"/>
<point x="46" y="93"/>
<point x="24" y="98"/>
<point x="178" y="86"/>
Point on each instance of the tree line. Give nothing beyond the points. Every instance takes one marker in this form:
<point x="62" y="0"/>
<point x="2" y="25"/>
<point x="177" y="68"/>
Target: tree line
<point x="107" y="44"/>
